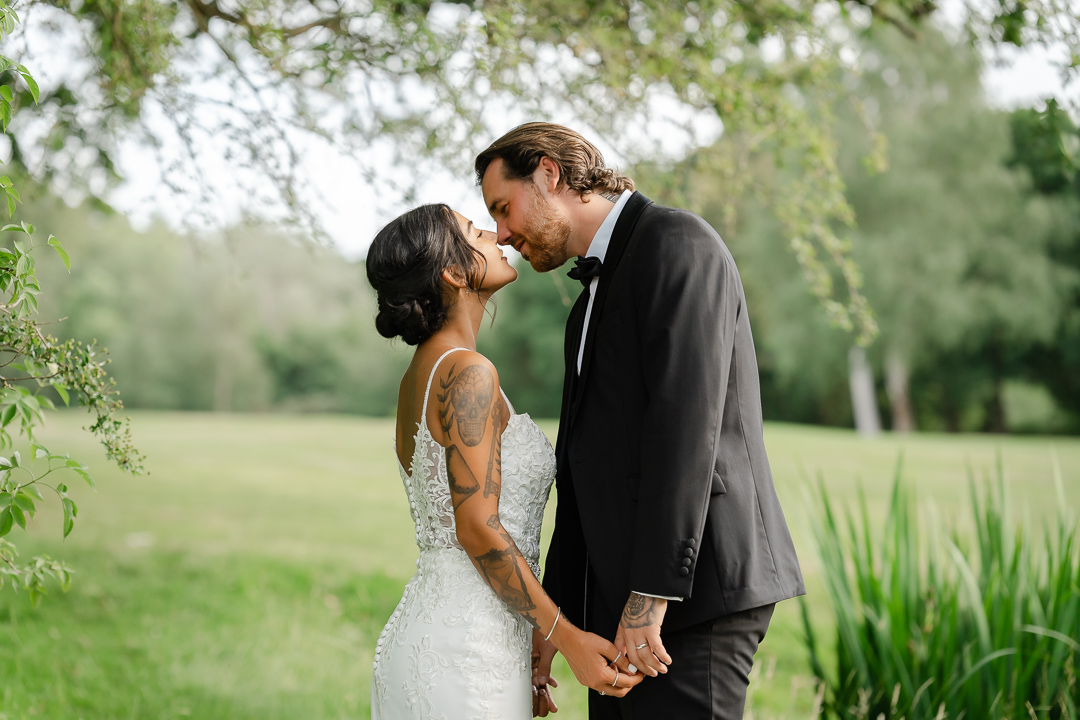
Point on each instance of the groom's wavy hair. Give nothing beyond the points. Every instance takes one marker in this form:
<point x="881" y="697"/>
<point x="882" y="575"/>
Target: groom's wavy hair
<point x="581" y="166"/>
<point x="405" y="263"/>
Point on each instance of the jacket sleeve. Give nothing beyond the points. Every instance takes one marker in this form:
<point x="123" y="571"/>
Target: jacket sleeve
<point x="688" y="297"/>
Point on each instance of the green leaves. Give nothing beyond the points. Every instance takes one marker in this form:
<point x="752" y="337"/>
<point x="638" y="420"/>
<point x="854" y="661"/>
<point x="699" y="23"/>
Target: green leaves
<point x="70" y="511"/>
<point x="18" y="502"/>
<point x="29" y="80"/>
<point x="80" y="470"/>
<point x="8" y="20"/>
<point x="33" y="575"/>
<point x="32" y="356"/>
<point x="10" y="193"/>
<point x="55" y="244"/>
<point x="948" y="626"/>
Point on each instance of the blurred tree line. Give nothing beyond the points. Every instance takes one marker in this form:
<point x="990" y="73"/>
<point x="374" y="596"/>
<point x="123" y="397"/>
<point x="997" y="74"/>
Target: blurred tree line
<point x="250" y="320"/>
<point x="969" y="243"/>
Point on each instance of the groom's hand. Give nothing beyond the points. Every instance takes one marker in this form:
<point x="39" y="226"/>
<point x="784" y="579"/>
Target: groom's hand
<point x="639" y="634"/>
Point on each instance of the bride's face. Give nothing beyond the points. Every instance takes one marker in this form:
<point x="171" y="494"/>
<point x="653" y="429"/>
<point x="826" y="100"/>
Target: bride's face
<point x="499" y="270"/>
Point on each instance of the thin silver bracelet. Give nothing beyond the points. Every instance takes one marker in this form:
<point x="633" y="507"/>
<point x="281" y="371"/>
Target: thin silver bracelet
<point x="557" y="616"/>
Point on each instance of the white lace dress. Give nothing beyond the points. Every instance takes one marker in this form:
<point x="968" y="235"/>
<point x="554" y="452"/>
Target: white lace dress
<point x="452" y="648"/>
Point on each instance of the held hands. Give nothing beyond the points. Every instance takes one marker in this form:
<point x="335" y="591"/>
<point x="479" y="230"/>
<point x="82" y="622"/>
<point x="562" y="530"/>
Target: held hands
<point x="594" y="661"/>
<point x="543" y="652"/>
<point x="639" y="634"/>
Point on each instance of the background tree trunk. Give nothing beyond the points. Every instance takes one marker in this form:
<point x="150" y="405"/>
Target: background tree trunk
<point x="863" y="398"/>
<point x="896" y="384"/>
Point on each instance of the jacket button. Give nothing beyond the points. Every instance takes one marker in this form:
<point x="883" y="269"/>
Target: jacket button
<point x="691" y="543"/>
<point x="687" y="562"/>
<point x="684" y="571"/>
<point x="689" y="552"/>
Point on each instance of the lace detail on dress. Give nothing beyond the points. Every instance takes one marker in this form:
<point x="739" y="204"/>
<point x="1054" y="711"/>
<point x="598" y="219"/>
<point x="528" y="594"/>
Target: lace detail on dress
<point x="430" y="503"/>
<point x="526" y="454"/>
<point x="452" y="648"/>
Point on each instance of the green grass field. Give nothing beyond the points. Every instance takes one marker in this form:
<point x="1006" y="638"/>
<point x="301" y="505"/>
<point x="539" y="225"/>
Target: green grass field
<point x="250" y="573"/>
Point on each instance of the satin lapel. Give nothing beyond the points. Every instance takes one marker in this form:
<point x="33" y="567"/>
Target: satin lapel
<point x="570" y="344"/>
<point x="620" y="238"/>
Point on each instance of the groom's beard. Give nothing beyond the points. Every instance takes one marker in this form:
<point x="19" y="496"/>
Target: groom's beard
<point x="546" y="233"/>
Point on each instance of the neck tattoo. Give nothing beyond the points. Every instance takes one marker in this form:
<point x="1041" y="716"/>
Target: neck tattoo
<point x="611" y="197"/>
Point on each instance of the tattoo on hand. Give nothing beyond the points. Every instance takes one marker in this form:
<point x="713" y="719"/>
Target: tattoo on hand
<point x="466" y="398"/>
<point x="463" y="484"/>
<point x="639" y="611"/>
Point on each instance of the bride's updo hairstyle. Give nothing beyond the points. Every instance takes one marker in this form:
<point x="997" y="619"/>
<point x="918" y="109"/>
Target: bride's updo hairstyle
<point x="405" y="264"/>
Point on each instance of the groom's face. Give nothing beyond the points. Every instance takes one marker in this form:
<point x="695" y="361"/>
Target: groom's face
<point x="526" y="219"/>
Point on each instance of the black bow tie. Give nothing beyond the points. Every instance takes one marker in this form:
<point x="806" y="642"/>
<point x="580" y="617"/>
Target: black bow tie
<point x="585" y="269"/>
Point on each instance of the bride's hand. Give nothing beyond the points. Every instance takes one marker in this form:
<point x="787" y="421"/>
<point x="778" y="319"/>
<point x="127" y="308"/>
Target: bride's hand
<point x="590" y="658"/>
<point x="543" y="652"/>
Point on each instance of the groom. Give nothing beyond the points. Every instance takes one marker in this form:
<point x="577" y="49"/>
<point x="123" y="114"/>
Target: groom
<point x="668" y="535"/>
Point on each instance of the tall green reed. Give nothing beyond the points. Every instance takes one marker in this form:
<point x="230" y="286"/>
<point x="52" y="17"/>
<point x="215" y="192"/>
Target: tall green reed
<point x="935" y="622"/>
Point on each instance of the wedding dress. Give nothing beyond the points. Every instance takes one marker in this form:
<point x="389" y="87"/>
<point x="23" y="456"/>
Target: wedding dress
<point x="452" y="648"/>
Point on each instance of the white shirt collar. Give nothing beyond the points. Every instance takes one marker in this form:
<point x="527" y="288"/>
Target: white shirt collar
<point x="599" y="245"/>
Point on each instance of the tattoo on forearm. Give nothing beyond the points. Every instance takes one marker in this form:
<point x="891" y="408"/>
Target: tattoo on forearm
<point x="639" y="611"/>
<point x="491" y="485"/>
<point x="466" y="398"/>
<point x="463" y="483"/>
<point x="501" y="569"/>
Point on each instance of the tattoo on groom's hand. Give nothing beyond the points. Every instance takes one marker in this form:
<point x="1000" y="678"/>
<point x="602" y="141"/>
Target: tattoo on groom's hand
<point x="639" y="634"/>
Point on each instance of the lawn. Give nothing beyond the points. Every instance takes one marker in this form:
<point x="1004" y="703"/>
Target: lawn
<point x="250" y="573"/>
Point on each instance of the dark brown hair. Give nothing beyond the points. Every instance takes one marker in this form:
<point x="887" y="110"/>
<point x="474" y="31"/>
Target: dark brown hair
<point x="405" y="263"/>
<point x="581" y="166"/>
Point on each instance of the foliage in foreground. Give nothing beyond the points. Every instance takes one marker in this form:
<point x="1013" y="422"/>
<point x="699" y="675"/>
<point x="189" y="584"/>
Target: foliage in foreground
<point x="933" y="625"/>
<point x="30" y="361"/>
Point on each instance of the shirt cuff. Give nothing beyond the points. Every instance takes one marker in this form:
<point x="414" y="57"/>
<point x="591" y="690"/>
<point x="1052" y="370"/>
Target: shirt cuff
<point x="662" y="597"/>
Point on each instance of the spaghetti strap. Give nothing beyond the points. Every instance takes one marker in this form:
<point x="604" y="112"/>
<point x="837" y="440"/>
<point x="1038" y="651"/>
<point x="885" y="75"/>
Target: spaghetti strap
<point x="509" y="404"/>
<point x="427" y="390"/>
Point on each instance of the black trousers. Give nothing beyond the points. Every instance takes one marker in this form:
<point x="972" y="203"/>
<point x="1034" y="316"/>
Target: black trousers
<point x="708" y="675"/>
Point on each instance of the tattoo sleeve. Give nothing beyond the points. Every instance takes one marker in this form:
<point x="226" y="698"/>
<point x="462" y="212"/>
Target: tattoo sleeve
<point x="491" y="484"/>
<point x="639" y="611"/>
<point x="501" y="569"/>
<point x="462" y="481"/>
<point x="466" y="399"/>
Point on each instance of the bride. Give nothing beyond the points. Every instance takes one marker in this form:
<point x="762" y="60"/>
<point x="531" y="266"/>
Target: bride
<point x="477" y="476"/>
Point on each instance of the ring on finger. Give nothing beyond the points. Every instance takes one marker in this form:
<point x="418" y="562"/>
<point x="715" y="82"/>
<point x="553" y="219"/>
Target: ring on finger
<point x="615" y="682"/>
<point x="643" y="645"/>
<point x="616" y="659"/>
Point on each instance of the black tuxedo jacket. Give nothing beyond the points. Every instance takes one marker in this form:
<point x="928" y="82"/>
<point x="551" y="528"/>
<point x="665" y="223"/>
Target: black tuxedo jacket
<point x="663" y="483"/>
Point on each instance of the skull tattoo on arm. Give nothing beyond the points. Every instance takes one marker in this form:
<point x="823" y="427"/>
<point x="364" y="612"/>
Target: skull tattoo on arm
<point x="466" y="399"/>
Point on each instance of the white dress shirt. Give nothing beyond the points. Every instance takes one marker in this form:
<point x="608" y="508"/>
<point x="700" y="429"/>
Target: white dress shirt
<point x="598" y="249"/>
